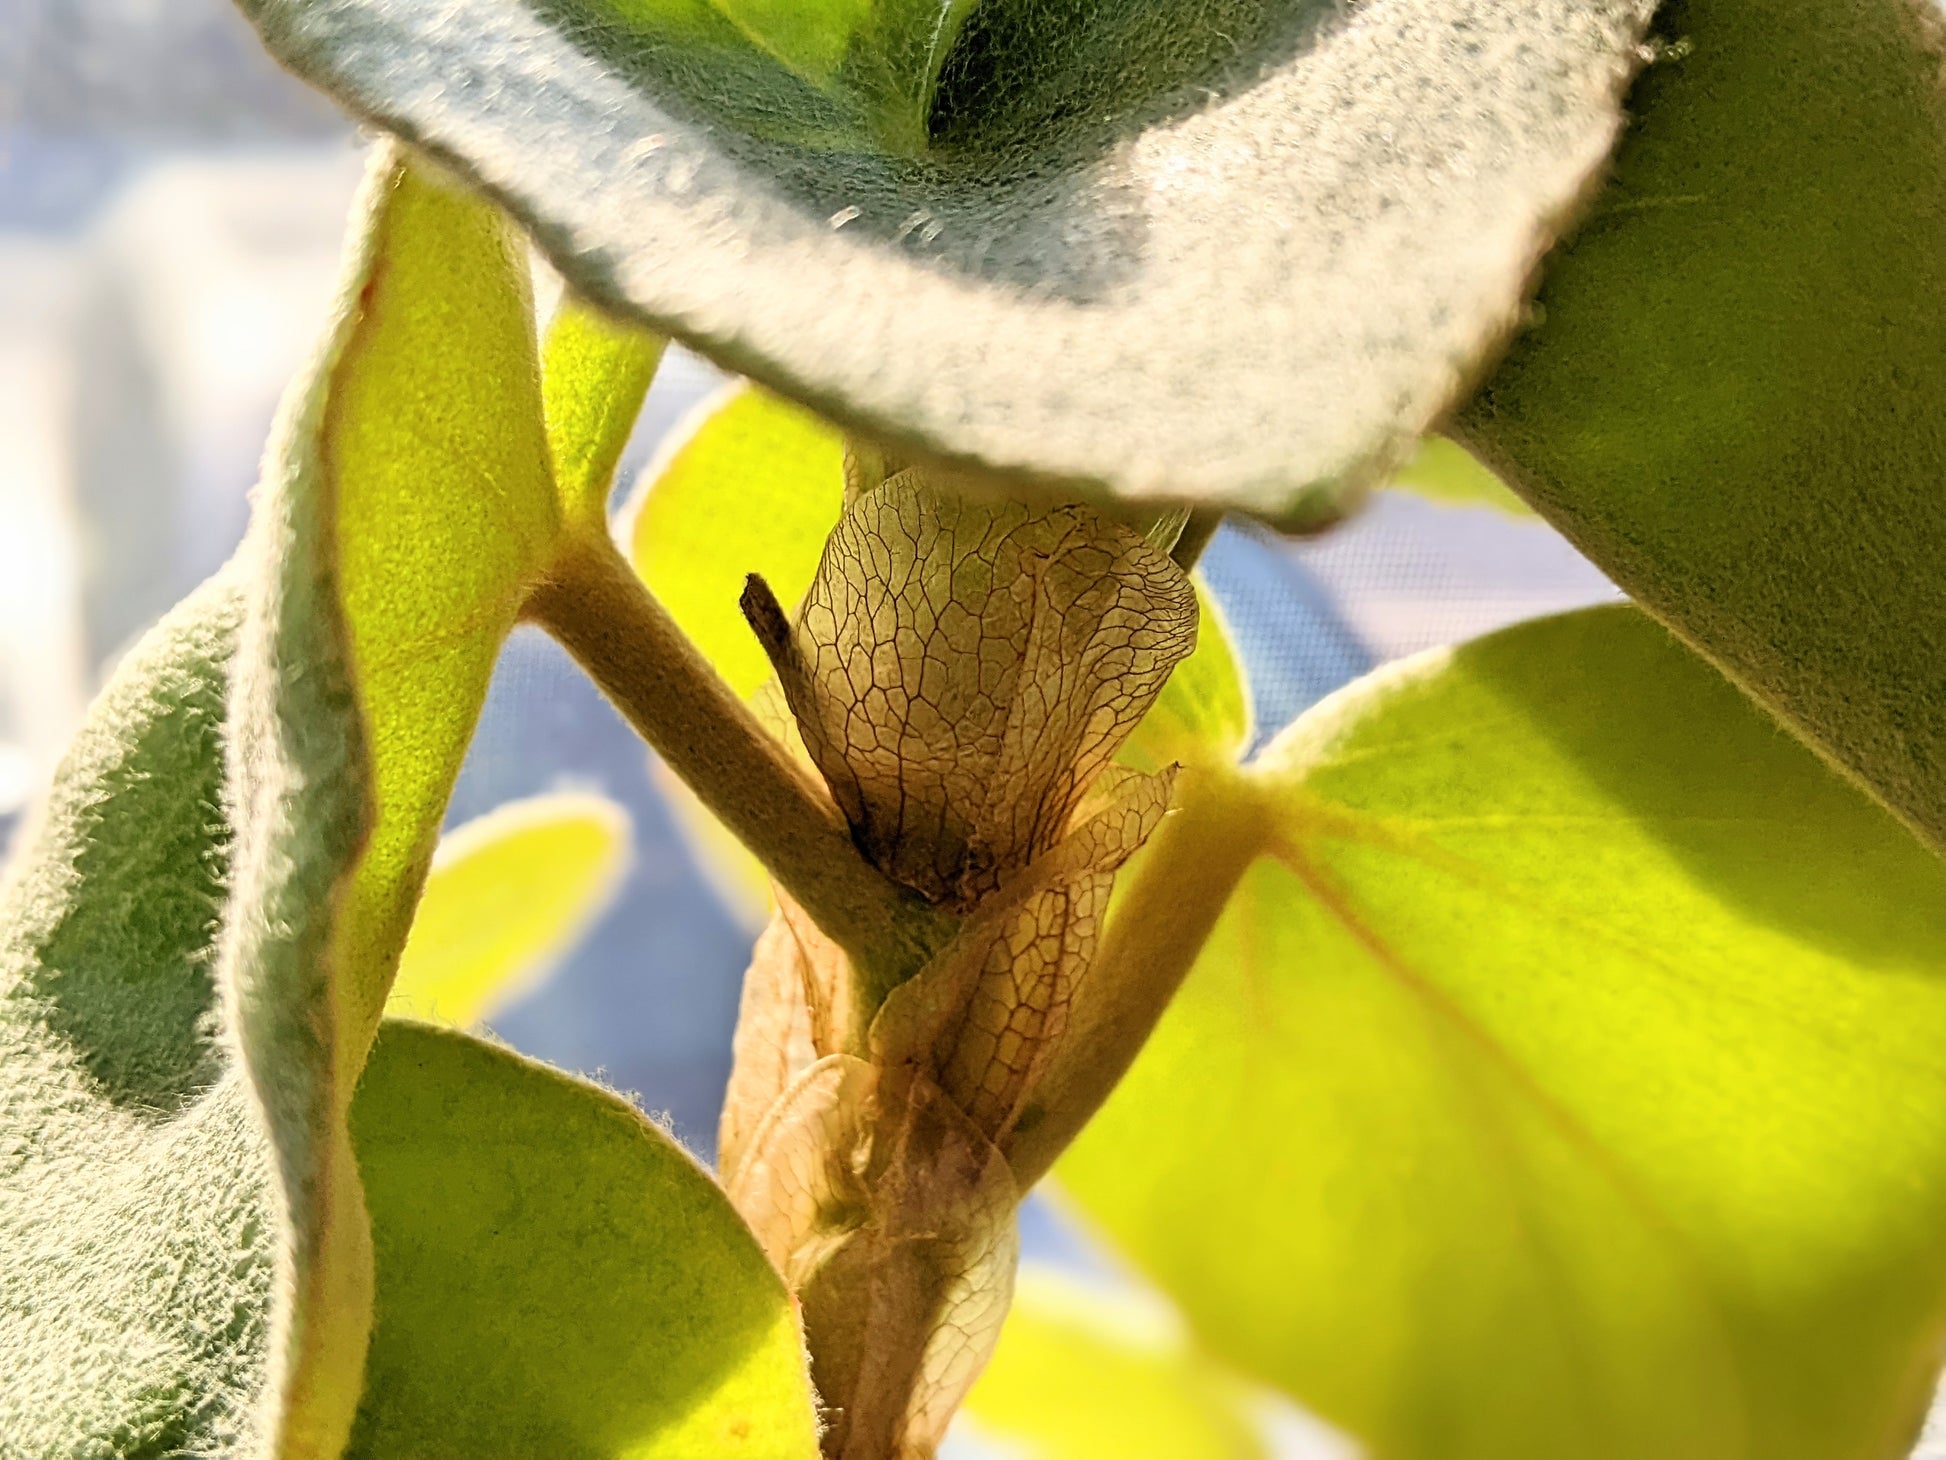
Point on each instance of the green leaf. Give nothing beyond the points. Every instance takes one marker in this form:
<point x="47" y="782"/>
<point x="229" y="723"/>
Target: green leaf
<point x="1202" y="717"/>
<point x="1734" y="405"/>
<point x="190" y="1259"/>
<point x="1231" y="251"/>
<point x="854" y="75"/>
<point x="595" y="374"/>
<point x="556" y="1276"/>
<point x="409" y="505"/>
<point x="754" y="485"/>
<point x="877" y="59"/>
<point x="1081" y="1374"/>
<point x="509" y="893"/>
<point x="1577" y="1046"/>
<point x="135" y="1208"/>
<point x="1444" y="471"/>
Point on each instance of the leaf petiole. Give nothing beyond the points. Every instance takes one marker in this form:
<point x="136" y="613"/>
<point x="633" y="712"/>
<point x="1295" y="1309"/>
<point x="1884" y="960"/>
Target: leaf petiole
<point x="602" y="614"/>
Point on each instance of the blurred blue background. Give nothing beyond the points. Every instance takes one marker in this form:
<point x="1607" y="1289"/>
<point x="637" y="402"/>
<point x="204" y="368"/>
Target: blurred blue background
<point x="170" y="216"/>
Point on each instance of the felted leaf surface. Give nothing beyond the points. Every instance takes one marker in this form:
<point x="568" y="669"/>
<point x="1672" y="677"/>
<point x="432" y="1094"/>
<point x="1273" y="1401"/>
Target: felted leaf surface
<point x="1226" y="251"/>
<point x="408" y="504"/>
<point x="1576" y="1043"/>
<point x="556" y="1276"/>
<point x="1082" y="1374"/>
<point x="135" y="1211"/>
<point x="1735" y="404"/>
<point x="509" y="892"/>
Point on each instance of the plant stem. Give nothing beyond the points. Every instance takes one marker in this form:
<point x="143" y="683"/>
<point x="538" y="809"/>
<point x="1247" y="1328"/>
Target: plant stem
<point x="601" y="613"/>
<point x="1177" y="889"/>
<point x="595" y="372"/>
<point x="1196" y="534"/>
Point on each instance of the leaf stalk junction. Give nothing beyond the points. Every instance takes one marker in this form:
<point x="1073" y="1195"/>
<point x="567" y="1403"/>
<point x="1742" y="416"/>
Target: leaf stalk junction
<point x="928" y="1018"/>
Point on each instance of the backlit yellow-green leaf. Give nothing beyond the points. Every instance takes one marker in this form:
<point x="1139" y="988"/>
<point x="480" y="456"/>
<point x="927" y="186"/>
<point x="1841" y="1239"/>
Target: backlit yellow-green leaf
<point x="509" y="893"/>
<point x="595" y="372"/>
<point x="754" y="485"/>
<point x="1203" y="714"/>
<point x="556" y="1276"/>
<point x="1445" y="472"/>
<point x="1566" y="1077"/>
<point x="1082" y="1373"/>
<point x="445" y="515"/>
<point x="407" y="508"/>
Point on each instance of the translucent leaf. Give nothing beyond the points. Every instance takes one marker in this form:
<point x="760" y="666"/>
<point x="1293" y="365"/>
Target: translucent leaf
<point x="408" y="506"/>
<point x="1230" y="251"/>
<point x="1202" y="716"/>
<point x="891" y="1217"/>
<point x="508" y="894"/>
<point x="596" y="372"/>
<point x="1733" y="406"/>
<point x="556" y="1276"/>
<point x="1578" y="1048"/>
<point x="881" y="1186"/>
<point x="1082" y="1373"/>
<point x="991" y="1013"/>
<point x="1445" y="472"/>
<point x="754" y="485"/>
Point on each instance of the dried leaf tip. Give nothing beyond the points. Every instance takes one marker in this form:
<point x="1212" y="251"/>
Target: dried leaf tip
<point x="962" y="672"/>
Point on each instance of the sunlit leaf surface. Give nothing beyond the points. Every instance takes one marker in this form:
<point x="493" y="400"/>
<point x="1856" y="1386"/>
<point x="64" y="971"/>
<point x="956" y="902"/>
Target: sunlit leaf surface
<point x="1735" y="403"/>
<point x="754" y="486"/>
<point x="408" y="506"/>
<point x="1081" y="1374"/>
<point x="1443" y="472"/>
<point x="509" y="893"/>
<point x="556" y="1276"/>
<point x="1202" y="716"/>
<point x="1223" y="249"/>
<point x="134" y="1182"/>
<point x="1566" y="1077"/>
<point x="595" y="372"/>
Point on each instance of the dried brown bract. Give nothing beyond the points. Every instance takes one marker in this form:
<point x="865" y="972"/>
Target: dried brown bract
<point x="962" y="675"/>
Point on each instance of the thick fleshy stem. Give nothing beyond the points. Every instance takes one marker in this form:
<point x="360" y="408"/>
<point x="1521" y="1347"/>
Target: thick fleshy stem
<point x="1196" y="535"/>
